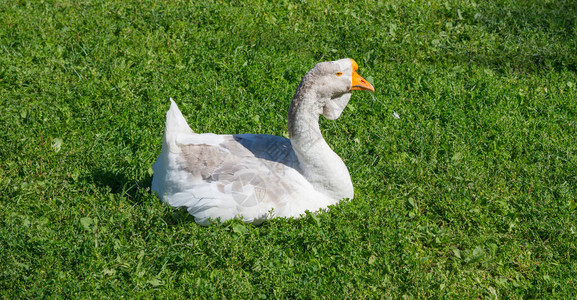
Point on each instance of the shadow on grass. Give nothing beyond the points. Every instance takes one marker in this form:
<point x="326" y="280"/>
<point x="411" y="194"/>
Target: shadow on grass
<point x="137" y="192"/>
<point x="530" y="36"/>
<point x="134" y="190"/>
<point x="176" y="216"/>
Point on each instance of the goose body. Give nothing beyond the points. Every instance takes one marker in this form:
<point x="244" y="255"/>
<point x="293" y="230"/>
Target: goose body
<point x="257" y="176"/>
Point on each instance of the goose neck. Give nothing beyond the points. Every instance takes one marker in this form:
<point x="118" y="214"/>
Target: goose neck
<point x="303" y="117"/>
<point x="322" y="167"/>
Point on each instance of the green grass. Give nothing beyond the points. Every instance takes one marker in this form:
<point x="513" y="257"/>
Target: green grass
<point x="471" y="193"/>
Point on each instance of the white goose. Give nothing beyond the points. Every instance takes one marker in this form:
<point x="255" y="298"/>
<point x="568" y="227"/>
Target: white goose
<point x="257" y="176"/>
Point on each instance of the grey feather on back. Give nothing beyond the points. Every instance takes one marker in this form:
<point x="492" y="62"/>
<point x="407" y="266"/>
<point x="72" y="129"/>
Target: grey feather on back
<point x="252" y="166"/>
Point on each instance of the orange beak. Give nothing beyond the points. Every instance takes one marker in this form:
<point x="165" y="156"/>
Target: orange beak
<point x="359" y="83"/>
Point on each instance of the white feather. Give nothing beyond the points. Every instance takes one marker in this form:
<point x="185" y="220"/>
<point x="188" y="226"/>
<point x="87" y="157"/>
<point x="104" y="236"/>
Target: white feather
<point x="255" y="177"/>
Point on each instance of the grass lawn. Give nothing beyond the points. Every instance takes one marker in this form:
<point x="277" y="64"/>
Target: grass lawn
<point x="470" y="193"/>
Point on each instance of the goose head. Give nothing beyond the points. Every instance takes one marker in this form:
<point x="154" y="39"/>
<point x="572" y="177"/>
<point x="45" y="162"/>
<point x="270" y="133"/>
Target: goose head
<point x="332" y="83"/>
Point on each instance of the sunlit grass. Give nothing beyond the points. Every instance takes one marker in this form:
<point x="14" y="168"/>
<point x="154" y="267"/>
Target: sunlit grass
<point x="463" y="160"/>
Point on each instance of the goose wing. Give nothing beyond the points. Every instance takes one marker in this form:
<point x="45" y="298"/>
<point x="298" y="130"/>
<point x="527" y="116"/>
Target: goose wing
<point x="227" y="176"/>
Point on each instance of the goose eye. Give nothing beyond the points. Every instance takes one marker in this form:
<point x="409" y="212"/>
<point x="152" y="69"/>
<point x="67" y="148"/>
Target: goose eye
<point x="339" y="73"/>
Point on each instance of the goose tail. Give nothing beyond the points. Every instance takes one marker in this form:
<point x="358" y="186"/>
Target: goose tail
<point x="175" y="122"/>
<point x="175" y="126"/>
